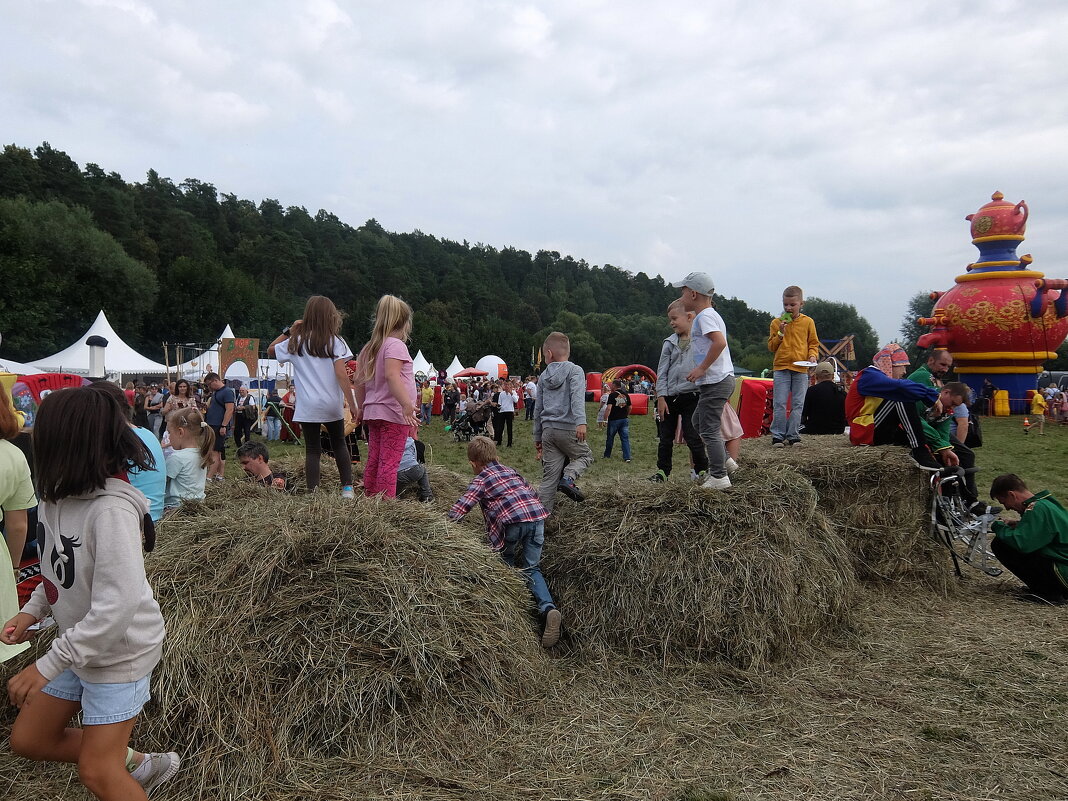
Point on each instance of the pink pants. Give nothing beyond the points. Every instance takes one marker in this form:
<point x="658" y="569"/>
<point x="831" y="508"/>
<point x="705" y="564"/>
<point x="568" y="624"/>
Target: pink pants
<point x="385" y="447"/>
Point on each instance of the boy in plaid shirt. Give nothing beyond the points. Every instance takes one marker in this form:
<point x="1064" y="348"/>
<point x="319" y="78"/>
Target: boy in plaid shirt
<point x="515" y="525"/>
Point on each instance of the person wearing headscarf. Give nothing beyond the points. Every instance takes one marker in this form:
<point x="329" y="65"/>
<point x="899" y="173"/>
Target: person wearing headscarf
<point x="881" y="405"/>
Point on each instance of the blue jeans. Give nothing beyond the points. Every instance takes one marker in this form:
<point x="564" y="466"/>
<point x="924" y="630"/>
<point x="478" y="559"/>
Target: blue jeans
<point x="425" y="410"/>
<point x="788" y="383"/>
<point x="272" y="428"/>
<point x="621" y="427"/>
<point x="522" y="550"/>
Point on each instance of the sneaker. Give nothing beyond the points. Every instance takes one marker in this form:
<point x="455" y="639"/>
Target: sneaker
<point x="796" y="442"/>
<point x="731" y="465"/>
<point x="979" y="508"/>
<point x="427" y="500"/>
<point x="626" y="461"/>
<point x="567" y="486"/>
<point x="924" y="459"/>
<point x="711" y="483"/>
<point x="347" y="493"/>
<point x="659" y="477"/>
<point x="550" y="635"/>
<point x="778" y="443"/>
<point x="155" y="769"/>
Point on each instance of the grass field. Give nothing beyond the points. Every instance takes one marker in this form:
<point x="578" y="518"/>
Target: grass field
<point x="931" y="696"/>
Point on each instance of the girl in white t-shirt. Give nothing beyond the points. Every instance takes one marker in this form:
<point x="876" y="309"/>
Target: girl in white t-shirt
<point x="318" y="356"/>
<point x="192" y="441"/>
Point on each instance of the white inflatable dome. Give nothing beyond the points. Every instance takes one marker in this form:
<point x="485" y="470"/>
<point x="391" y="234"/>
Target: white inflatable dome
<point x="494" y="365"/>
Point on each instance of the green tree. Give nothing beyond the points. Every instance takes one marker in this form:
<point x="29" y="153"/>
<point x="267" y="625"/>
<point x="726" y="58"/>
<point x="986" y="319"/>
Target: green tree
<point x="919" y="305"/>
<point x="836" y="320"/>
<point x="58" y="271"/>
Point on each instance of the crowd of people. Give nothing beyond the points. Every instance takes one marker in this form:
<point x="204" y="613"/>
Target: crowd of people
<point x="109" y="463"/>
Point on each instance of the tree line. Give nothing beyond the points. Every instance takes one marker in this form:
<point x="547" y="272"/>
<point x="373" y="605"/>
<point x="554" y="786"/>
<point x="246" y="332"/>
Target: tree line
<point x="176" y="262"/>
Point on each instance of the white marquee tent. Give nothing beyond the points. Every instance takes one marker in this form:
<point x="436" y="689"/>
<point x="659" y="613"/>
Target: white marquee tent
<point x="421" y="365"/>
<point x="8" y="366"/>
<point x="196" y="367"/>
<point x="118" y="356"/>
<point x="454" y="368"/>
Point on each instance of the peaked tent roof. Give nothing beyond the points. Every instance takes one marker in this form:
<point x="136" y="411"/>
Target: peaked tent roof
<point x="453" y="368"/>
<point x="18" y="368"/>
<point x="118" y="356"/>
<point x="420" y="364"/>
<point x="197" y="366"/>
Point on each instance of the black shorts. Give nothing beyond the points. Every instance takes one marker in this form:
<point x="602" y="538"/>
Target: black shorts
<point x="220" y="441"/>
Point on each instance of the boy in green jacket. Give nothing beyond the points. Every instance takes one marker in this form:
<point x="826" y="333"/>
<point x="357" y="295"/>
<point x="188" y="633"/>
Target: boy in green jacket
<point x="1035" y="548"/>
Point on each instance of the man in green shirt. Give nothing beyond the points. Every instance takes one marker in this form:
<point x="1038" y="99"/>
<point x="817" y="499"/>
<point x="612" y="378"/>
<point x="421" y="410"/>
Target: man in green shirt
<point x="939" y="433"/>
<point x="1034" y="548"/>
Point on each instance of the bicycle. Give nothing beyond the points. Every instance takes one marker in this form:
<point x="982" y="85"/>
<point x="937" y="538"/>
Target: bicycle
<point x="965" y="534"/>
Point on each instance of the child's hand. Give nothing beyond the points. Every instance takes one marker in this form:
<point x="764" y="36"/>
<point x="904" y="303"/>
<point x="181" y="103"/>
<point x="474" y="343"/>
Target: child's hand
<point x="580" y="432"/>
<point x="782" y="325"/>
<point x="537" y="447"/>
<point x="15" y="629"/>
<point x="25" y="684"/>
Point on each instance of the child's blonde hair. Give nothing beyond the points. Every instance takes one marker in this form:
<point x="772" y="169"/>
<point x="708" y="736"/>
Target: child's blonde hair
<point x="676" y="306"/>
<point x="558" y="343"/>
<point x="481" y="451"/>
<point x="793" y="292"/>
<point x="391" y="314"/>
<point x="192" y="420"/>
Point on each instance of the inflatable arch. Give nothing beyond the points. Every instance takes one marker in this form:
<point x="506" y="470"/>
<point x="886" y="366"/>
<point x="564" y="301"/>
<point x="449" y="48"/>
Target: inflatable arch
<point x="613" y="373"/>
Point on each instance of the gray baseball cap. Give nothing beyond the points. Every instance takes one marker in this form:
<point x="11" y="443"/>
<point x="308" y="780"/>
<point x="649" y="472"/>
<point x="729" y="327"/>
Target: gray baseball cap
<point x="701" y="283"/>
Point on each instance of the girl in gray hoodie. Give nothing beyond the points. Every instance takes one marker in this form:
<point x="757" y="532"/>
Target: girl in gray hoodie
<point x="91" y="524"/>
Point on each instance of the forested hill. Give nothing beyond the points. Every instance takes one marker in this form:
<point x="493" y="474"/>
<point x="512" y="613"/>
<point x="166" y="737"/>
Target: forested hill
<point x="176" y="262"/>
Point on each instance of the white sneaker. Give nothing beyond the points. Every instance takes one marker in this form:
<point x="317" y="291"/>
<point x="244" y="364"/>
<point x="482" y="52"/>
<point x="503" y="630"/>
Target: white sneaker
<point x="155" y="769"/>
<point x="347" y="493"/>
<point x="711" y="483"/>
<point x="731" y="465"/>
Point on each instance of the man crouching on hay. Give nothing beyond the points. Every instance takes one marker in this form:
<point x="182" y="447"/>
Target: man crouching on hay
<point x="515" y="525"/>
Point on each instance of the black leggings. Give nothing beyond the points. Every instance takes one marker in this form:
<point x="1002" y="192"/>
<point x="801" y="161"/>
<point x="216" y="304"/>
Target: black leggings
<point x="314" y="450"/>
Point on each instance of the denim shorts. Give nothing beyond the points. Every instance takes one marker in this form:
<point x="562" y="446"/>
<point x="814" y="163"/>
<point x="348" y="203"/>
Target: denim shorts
<point x="101" y="703"/>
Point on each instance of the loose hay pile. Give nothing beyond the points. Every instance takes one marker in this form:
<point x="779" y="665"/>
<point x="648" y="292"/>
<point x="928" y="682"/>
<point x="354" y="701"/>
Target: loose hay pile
<point x="299" y="625"/>
<point x="673" y="571"/>
<point x="876" y="500"/>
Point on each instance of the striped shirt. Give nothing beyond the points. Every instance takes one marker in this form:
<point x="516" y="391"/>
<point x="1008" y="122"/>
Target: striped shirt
<point x="505" y="498"/>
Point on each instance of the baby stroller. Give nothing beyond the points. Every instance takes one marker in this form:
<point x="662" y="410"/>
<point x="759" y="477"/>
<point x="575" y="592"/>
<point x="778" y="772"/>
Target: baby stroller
<point x="473" y="422"/>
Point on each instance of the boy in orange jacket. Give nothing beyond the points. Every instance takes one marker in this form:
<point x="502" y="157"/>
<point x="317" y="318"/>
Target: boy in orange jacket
<point x="792" y="338"/>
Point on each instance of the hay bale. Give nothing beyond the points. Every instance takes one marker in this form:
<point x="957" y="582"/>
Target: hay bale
<point x="750" y="576"/>
<point x="876" y="500"/>
<point x="299" y="626"/>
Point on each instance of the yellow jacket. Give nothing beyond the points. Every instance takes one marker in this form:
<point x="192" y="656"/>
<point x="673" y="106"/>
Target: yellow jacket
<point x="798" y="343"/>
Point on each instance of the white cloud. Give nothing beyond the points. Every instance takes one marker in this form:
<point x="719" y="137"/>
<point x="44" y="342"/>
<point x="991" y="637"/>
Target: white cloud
<point x="826" y="144"/>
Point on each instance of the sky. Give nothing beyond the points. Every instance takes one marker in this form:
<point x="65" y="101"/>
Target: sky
<point x="833" y="145"/>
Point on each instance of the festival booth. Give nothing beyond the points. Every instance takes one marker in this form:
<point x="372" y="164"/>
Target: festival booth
<point x="422" y="369"/>
<point x="120" y="359"/>
<point x="234" y="358"/>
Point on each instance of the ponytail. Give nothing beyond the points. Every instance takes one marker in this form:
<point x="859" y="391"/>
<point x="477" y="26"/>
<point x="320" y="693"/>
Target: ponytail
<point x="192" y="420"/>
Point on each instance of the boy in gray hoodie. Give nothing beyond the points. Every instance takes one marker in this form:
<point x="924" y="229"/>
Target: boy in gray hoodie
<point x="560" y="423"/>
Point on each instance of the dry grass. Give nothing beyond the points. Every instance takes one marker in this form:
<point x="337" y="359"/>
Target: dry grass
<point x="752" y="576"/>
<point x="876" y="500"/>
<point x="328" y="651"/>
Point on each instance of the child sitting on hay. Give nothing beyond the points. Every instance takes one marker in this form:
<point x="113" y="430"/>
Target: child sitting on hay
<point x="1035" y="548"/>
<point x="515" y="525"/>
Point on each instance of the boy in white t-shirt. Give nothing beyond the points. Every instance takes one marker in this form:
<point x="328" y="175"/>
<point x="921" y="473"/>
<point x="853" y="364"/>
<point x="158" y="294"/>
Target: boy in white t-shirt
<point x="713" y="373"/>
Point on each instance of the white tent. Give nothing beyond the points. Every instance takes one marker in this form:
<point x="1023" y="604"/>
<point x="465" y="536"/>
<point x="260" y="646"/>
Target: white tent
<point x="492" y="365"/>
<point x="453" y="368"/>
<point x="8" y="366"/>
<point x="118" y="356"/>
<point x="421" y="365"/>
<point x="198" y="365"/>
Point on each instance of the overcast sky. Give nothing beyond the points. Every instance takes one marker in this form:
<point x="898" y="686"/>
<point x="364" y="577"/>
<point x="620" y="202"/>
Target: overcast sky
<point x="834" y="145"/>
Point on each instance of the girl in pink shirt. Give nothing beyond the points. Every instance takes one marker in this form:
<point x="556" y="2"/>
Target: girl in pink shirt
<point x="385" y="392"/>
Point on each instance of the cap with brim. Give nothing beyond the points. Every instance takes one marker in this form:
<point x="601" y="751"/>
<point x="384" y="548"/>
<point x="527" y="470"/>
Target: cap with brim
<point x="701" y="283"/>
<point x="824" y="369"/>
